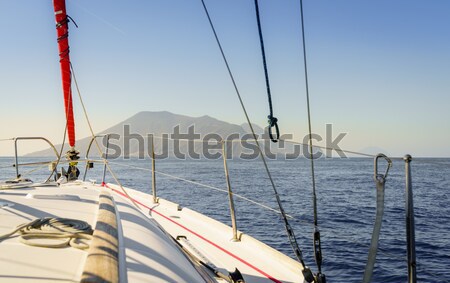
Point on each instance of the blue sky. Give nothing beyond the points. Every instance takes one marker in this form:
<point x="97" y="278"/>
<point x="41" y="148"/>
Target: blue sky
<point x="379" y="70"/>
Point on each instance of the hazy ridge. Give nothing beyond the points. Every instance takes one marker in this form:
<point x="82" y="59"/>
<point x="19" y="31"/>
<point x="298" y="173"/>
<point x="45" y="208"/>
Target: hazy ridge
<point x="159" y="124"/>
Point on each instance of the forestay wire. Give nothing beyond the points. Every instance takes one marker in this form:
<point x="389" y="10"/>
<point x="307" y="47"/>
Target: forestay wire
<point x="316" y="233"/>
<point x="292" y="239"/>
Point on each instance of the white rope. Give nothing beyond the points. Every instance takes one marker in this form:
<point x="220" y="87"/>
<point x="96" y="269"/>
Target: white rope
<point x="62" y="232"/>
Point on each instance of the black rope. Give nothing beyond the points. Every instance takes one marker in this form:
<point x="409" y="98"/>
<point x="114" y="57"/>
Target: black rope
<point x="307" y="273"/>
<point x="273" y="122"/>
<point x="62" y="37"/>
<point x="71" y="20"/>
<point x="64" y="54"/>
<point x="65" y="21"/>
<point x="62" y="22"/>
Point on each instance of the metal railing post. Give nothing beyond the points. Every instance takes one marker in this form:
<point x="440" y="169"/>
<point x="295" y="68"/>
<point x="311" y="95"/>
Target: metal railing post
<point x="410" y="229"/>
<point x="106" y="159"/>
<point x="155" y="200"/>
<point x="16" y="158"/>
<point x="86" y="167"/>
<point x="230" y="193"/>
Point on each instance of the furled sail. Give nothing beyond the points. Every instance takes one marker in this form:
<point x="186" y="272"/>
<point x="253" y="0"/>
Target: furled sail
<point x="62" y="30"/>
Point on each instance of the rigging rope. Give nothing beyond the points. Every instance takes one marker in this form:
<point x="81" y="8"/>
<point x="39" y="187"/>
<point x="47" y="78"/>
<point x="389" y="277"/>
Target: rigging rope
<point x="316" y="233"/>
<point x="273" y="122"/>
<point x="96" y="142"/>
<point x="292" y="239"/>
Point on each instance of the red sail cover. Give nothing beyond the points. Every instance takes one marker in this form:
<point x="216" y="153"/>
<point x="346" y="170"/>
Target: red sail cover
<point x="62" y="30"/>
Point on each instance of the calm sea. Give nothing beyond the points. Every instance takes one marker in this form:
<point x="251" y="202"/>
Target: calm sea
<point x="346" y="198"/>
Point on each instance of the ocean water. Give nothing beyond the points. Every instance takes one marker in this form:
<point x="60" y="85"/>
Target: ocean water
<point x="346" y="199"/>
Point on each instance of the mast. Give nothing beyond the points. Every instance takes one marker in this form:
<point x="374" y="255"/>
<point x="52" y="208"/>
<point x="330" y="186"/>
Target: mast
<point x="62" y="31"/>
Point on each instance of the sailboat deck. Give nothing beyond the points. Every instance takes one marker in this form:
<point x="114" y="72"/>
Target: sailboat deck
<point x="147" y="249"/>
<point x="146" y="254"/>
<point x="20" y="262"/>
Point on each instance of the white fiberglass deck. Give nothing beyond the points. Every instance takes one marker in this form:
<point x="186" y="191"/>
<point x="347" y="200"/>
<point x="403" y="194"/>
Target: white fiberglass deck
<point x="147" y="252"/>
<point x="212" y="241"/>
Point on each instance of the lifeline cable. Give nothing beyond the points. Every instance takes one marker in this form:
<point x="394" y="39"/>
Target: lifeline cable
<point x="210" y="187"/>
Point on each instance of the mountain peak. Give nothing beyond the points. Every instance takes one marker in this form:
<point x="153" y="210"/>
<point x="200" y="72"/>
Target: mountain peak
<point x="159" y="123"/>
